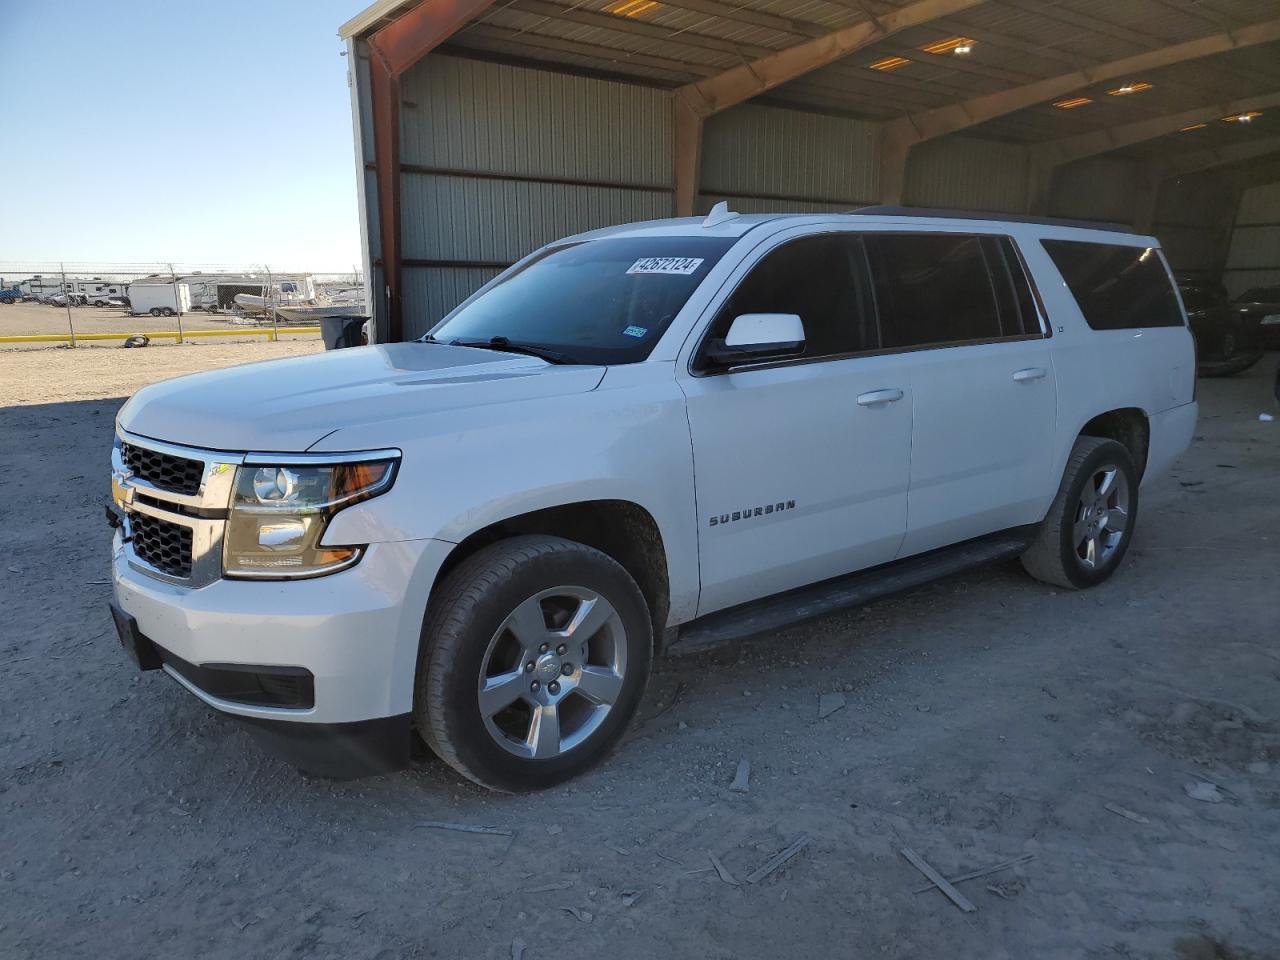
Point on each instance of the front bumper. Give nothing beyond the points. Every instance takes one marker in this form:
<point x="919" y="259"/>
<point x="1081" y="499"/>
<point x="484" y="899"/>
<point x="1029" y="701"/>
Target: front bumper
<point x="356" y="632"/>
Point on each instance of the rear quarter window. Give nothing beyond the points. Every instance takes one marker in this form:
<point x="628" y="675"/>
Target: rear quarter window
<point x="1116" y="287"/>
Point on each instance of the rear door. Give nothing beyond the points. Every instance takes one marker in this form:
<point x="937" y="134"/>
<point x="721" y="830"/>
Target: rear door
<point x="800" y="466"/>
<point x="983" y="383"/>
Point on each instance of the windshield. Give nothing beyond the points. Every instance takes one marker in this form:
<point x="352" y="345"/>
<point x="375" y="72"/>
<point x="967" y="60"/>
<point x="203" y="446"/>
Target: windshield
<point x="599" y="301"/>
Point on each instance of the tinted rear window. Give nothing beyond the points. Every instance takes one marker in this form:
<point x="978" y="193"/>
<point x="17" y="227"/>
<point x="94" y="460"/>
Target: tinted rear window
<point x="934" y="289"/>
<point x="1116" y="287"/>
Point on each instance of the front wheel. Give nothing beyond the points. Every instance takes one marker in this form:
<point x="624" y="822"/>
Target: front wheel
<point x="535" y="654"/>
<point x="1086" y="533"/>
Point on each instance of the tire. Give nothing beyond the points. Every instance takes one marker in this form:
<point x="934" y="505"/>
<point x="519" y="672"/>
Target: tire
<point x="154" y="311"/>
<point x="474" y="629"/>
<point x="1071" y="550"/>
<point x="168" y="311"/>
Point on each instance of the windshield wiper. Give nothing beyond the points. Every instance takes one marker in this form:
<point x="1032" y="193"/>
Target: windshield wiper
<point x="506" y="346"/>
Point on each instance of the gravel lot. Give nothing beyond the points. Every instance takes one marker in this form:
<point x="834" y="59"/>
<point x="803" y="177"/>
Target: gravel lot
<point x="985" y="718"/>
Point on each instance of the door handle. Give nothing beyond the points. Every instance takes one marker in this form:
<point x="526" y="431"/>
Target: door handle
<point x="1030" y="373"/>
<point x="876" y="397"/>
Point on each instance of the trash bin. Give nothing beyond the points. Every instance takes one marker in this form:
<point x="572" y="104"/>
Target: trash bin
<point x="341" y="331"/>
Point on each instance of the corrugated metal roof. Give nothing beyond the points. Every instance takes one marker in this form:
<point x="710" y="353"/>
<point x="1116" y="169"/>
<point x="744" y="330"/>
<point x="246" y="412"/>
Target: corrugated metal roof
<point x="669" y="43"/>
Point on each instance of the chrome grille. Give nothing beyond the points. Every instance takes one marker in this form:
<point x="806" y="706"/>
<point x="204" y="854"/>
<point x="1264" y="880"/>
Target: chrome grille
<point x="166" y="546"/>
<point x="163" y="470"/>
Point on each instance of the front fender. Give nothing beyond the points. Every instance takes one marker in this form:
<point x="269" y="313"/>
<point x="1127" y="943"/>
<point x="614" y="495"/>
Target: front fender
<point x="474" y="467"/>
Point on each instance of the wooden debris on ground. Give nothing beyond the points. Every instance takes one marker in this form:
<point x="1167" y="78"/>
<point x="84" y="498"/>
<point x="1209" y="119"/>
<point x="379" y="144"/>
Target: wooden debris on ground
<point x="938" y="880"/>
<point x="465" y="828"/>
<point x="778" y="859"/>
<point x="581" y="915"/>
<point x="723" y="872"/>
<point x="1126" y="813"/>
<point x="982" y="872"/>
<point x="829" y="703"/>
<point x="548" y="887"/>
<point x="742" y="779"/>
<point x="1203" y="791"/>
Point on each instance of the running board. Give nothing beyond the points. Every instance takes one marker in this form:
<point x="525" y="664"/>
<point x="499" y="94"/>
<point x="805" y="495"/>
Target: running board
<point x="832" y="596"/>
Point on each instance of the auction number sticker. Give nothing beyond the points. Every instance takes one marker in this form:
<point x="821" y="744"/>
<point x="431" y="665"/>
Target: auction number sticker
<point x="681" y="266"/>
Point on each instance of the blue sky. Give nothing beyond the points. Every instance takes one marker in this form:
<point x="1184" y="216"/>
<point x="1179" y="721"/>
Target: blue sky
<point x="202" y="133"/>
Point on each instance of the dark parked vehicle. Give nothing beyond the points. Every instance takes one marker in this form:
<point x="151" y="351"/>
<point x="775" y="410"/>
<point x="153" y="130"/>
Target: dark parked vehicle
<point x="1263" y="304"/>
<point x="1228" y="341"/>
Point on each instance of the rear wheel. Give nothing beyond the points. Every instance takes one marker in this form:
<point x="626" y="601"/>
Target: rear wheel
<point x="155" y="311"/>
<point x="535" y="654"/>
<point x="1087" y="531"/>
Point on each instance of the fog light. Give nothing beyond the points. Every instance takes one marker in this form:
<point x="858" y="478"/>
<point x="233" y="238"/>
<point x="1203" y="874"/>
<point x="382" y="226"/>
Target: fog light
<point x="282" y="534"/>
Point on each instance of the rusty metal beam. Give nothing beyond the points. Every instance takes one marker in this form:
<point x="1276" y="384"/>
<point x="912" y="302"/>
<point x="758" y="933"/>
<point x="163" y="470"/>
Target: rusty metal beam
<point x="1057" y="152"/>
<point x="751" y="79"/>
<point x="694" y="102"/>
<point x="1195" y="161"/>
<point x="393" y="49"/>
<point x="957" y="116"/>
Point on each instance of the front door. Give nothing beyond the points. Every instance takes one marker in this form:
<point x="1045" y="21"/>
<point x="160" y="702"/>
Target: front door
<point x="800" y="467"/>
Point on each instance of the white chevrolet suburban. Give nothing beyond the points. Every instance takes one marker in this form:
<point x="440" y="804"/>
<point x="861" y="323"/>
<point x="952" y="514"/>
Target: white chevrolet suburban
<point x="634" y="441"/>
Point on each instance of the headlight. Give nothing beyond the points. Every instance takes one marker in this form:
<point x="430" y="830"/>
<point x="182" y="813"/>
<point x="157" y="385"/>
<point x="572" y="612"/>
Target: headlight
<point x="279" y="513"/>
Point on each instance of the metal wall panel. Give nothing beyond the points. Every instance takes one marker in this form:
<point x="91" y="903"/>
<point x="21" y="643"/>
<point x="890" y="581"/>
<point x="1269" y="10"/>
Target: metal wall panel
<point x="464" y="218"/>
<point x="1191" y="247"/>
<point x="1254" y="258"/>
<point x="1260" y="205"/>
<point x="594" y="142"/>
<point x="1255" y="246"/>
<point x="1100" y="188"/>
<point x="967" y="174"/>
<point x="474" y="115"/>
<point x="771" y="152"/>
<point x="431" y="292"/>
<point x="1238" y="281"/>
<point x="768" y="205"/>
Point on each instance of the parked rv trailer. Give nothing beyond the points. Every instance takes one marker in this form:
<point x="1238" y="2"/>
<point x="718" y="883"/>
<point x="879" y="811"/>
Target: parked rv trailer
<point x="94" y="292"/>
<point x="160" y="298"/>
<point x="40" y="288"/>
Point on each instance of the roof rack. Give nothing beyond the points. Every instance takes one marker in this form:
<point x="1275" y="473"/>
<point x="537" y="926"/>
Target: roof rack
<point x="939" y="213"/>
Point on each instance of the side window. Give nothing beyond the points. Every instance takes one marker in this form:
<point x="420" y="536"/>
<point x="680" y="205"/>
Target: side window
<point x="936" y="289"/>
<point x="1018" y="314"/>
<point x="824" y="280"/>
<point x="1117" y="287"/>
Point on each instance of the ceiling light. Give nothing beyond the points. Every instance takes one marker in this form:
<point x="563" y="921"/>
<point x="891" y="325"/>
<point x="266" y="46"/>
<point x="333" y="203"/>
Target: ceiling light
<point x="1072" y="103"/>
<point x="630" y="8"/>
<point x="1128" y="88"/>
<point x="889" y="63"/>
<point x="1193" y="126"/>
<point x="1245" y="117"/>
<point x="957" y="45"/>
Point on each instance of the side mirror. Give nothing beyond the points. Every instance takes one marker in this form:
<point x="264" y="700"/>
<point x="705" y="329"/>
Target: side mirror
<point x="754" y="337"/>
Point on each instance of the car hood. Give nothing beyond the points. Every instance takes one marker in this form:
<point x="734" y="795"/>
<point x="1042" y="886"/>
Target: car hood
<point x="290" y="405"/>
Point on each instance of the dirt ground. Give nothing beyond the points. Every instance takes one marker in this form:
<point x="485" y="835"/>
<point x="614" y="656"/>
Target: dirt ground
<point x="986" y="718"/>
<point x="21" y="319"/>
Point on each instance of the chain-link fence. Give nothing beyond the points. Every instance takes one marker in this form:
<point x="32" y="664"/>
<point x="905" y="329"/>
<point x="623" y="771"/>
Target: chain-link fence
<point x="76" y="303"/>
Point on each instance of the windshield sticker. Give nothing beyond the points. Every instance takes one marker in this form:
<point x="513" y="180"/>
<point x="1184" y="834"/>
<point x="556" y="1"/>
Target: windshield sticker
<point x="634" y="331"/>
<point x="681" y="266"/>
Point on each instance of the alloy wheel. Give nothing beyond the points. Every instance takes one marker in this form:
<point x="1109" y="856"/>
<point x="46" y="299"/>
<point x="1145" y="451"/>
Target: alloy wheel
<point x="1102" y="516"/>
<point x="552" y="672"/>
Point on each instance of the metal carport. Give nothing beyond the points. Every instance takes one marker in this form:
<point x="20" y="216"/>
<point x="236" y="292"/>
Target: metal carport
<point x="485" y="128"/>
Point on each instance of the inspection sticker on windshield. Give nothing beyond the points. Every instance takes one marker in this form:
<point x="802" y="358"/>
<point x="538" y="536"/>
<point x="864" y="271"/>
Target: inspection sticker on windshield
<point x="681" y="266"/>
<point x="634" y="331"/>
